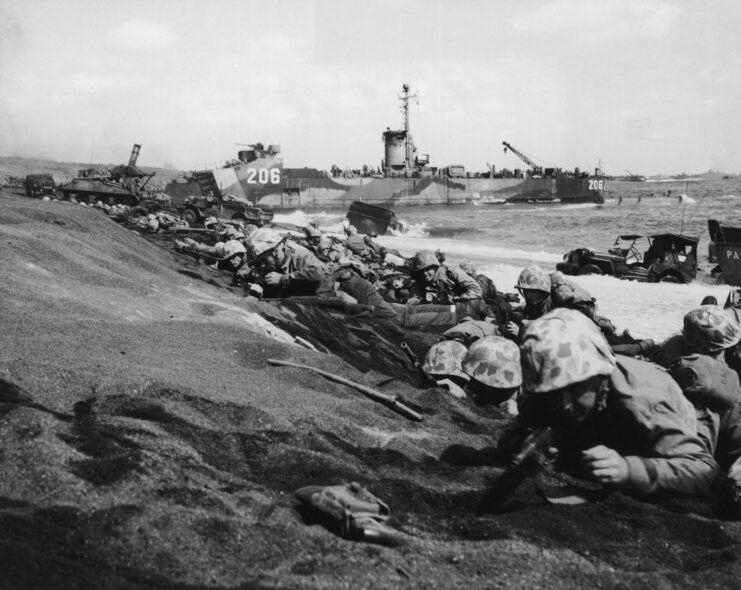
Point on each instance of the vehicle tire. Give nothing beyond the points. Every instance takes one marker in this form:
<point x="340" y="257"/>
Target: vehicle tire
<point x="189" y="216"/>
<point x="590" y="269"/>
<point x="138" y="211"/>
<point x="670" y="277"/>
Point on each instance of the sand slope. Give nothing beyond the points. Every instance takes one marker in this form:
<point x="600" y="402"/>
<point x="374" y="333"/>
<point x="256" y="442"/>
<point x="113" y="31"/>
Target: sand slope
<point x="145" y="443"/>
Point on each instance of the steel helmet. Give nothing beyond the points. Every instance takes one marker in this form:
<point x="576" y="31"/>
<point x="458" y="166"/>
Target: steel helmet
<point x="312" y="231"/>
<point x="445" y="358"/>
<point x="494" y="361"/>
<point x="561" y="348"/>
<point x="568" y="294"/>
<point x="424" y="259"/>
<point x="262" y="240"/>
<point x="534" y="277"/>
<point x="468" y="267"/>
<point x="709" y="329"/>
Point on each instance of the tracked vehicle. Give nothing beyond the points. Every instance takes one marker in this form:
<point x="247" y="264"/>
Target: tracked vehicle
<point x="123" y="185"/>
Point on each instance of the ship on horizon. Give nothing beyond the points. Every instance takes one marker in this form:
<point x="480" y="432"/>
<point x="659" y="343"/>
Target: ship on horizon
<point x="404" y="179"/>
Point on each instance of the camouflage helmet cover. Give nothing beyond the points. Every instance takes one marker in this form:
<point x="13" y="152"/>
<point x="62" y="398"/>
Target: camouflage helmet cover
<point x="710" y="329"/>
<point x="534" y="277"/>
<point x="468" y="267"/>
<point x="261" y="241"/>
<point x="561" y="348"/>
<point x="445" y="358"/>
<point x="424" y="259"/>
<point x="494" y="361"/>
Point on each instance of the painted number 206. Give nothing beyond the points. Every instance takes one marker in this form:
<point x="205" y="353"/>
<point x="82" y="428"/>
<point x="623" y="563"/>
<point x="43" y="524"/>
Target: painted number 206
<point x="596" y="185"/>
<point x="263" y="176"/>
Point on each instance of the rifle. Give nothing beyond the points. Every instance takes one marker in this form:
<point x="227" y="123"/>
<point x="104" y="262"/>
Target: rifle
<point x="335" y="303"/>
<point x="414" y="359"/>
<point x="528" y="461"/>
<point x="389" y="400"/>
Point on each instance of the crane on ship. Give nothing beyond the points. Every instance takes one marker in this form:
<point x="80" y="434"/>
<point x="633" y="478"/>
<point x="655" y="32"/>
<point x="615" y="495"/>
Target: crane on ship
<point x="532" y="165"/>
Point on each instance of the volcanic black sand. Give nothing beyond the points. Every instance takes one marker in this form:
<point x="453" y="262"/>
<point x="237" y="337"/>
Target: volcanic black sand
<point x="146" y="442"/>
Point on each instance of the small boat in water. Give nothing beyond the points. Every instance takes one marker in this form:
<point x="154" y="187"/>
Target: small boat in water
<point x="725" y="249"/>
<point x="371" y="219"/>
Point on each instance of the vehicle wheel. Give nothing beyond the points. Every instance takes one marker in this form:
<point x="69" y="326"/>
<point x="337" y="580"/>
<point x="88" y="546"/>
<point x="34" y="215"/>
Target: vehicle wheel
<point x="189" y="216"/>
<point x="670" y="278"/>
<point x="590" y="269"/>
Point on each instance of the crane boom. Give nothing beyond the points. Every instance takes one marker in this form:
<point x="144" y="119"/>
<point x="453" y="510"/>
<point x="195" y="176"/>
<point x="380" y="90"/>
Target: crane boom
<point x="519" y="154"/>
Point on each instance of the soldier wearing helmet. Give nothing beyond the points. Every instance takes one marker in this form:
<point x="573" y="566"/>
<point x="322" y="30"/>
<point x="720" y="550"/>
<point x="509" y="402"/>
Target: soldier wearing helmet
<point x="493" y="365"/>
<point x="408" y="316"/>
<point x="534" y="284"/>
<point x="229" y="253"/>
<point x="711" y="330"/>
<point x="443" y="362"/>
<point x="285" y="269"/>
<point x="707" y="374"/>
<point x="617" y="420"/>
<point x="434" y="282"/>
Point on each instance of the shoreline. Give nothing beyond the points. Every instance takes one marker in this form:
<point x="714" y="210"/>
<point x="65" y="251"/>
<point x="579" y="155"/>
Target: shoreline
<point x="147" y="443"/>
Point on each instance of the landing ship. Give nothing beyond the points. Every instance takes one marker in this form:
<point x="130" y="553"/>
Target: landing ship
<point x="404" y="179"/>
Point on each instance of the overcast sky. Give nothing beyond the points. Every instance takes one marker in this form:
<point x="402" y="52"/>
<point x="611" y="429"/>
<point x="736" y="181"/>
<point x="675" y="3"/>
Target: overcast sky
<point x="650" y="86"/>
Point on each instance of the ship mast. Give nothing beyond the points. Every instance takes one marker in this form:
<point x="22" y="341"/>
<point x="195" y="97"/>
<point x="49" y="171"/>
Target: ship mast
<point x="408" y="142"/>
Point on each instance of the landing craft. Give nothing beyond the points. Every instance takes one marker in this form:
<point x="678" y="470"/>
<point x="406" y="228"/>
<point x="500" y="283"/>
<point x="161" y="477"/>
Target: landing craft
<point x="403" y="179"/>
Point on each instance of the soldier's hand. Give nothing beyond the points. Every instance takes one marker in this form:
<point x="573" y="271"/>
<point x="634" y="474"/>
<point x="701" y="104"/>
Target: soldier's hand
<point x="273" y="279"/>
<point x="606" y="465"/>
<point x="429" y="297"/>
<point x="512" y="329"/>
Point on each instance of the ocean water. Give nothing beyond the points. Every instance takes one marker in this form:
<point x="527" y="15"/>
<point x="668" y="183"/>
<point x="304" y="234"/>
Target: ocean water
<point x="501" y="240"/>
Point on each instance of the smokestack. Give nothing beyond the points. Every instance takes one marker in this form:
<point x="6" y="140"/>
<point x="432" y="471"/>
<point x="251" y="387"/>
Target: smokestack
<point x="134" y="154"/>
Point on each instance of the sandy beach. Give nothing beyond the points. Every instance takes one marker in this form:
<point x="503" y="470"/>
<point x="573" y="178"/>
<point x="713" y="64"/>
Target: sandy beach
<point x="146" y="443"/>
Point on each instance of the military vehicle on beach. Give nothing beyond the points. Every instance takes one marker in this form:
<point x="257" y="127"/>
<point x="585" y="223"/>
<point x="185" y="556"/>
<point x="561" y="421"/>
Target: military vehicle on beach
<point x="670" y="258"/>
<point x="40" y="186"/>
<point x="122" y="185"/>
<point x="195" y="210"/>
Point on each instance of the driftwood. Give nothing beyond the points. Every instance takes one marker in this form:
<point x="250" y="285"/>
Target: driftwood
<point x="389" y="400"/>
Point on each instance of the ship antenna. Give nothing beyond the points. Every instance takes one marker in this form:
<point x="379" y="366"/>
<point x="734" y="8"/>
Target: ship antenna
<point x="408" y="142"/>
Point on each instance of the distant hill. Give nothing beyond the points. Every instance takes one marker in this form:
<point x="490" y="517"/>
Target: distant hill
<point x="65" y="171"/>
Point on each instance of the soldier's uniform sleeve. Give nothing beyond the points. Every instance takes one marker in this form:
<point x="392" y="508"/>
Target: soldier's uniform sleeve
<point x="466" y="286"/>
<point x="729" y="443"/>
<point x="302" y="270"/>
<point x="668" y="453"/>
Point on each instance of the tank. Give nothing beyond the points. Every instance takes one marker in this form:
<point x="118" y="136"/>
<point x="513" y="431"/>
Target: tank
<point x="123" y="185"/>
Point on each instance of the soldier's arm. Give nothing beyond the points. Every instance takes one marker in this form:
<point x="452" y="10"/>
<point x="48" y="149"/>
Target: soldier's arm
<point x="674" y="458"/>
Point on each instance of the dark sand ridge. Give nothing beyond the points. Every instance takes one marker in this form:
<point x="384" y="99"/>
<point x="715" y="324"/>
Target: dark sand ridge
<point x="146" y="443"/>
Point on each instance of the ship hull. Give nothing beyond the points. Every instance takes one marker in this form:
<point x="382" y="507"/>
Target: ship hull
<point x="311" y="189"/>
<point x="313" y="193"/>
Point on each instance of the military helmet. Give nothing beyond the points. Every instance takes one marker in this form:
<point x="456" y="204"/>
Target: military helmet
<point x="561" y="348"/>
<point x="261" y="241"/>
<point x="494" y="361"/>
<point x="568" y="294"/>
<point x="534" y="277"/>
<point x="312" y="231"/>
<point x="445" y="358"/>
<point x="424" y="259"/>
<point x="710" y="329"/>
<point x="468" y="267"/>
<point x="325" y="243"/>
